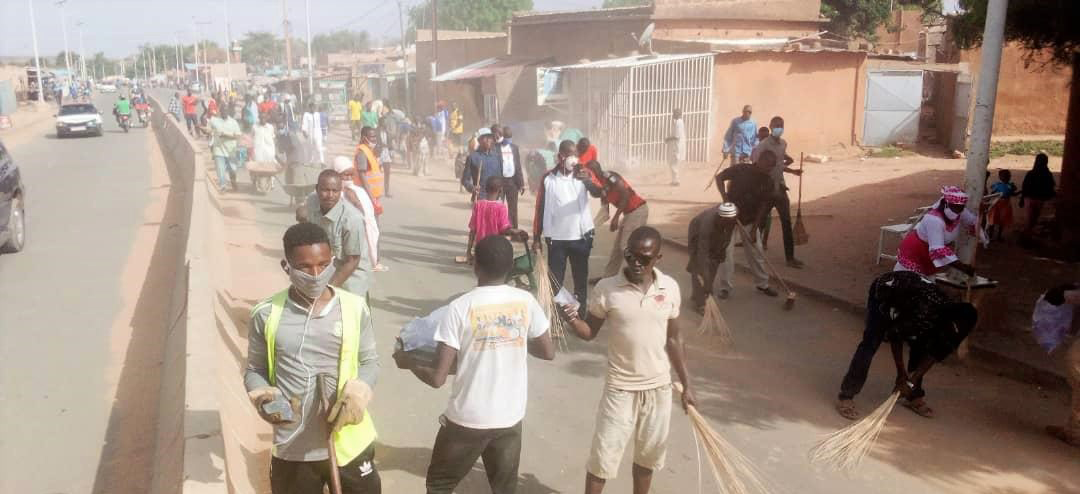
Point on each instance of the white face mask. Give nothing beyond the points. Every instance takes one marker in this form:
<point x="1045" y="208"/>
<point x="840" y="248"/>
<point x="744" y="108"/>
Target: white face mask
<point x="952" y="216"/>
<point x="308" y="285"/>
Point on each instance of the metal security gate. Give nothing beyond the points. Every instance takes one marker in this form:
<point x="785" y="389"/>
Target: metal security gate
<point x="893" y="106"/>
<point x="624" y="106"/>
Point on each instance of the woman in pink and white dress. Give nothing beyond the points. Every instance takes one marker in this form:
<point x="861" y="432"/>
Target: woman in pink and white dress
<point x="927" y="248"/>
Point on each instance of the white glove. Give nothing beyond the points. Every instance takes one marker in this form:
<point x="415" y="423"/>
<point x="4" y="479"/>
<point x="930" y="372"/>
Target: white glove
<point x="350" y="406"/>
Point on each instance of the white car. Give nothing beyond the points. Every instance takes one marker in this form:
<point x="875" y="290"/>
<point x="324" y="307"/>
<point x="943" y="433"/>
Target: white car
<point x="106" y="88"/>
<point x="78" y="118"/>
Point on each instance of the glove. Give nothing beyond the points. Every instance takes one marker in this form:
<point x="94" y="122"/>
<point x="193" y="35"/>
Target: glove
<point x="261" y="396"/>
<point x="350" y="406"/>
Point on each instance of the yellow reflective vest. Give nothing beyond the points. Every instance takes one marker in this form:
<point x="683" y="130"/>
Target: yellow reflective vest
<point x="351" y="440"/>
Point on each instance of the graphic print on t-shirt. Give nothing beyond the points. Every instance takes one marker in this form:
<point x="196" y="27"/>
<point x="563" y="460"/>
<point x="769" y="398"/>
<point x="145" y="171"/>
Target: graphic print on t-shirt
<point x="499" y="325"/>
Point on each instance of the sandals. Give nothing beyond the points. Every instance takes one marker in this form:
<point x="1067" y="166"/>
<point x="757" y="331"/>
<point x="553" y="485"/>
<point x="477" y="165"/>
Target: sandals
<point x="920" y="408"/>
<point x="462" y="260"/>
<point x="846" y="409"/>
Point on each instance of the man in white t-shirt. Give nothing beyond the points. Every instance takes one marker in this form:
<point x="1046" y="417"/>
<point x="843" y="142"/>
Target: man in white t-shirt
<point x="489" y="332"/>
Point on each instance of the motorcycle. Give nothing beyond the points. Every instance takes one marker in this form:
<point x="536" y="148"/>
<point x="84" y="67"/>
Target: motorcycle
<point x="144" y="114"/>
<point x="124" y="122"/>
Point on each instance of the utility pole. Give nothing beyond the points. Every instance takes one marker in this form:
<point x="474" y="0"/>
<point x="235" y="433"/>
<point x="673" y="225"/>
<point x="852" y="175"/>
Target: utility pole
<point x="179" y="57"/>
<point x="288" y="40"/>
<point x="205" y="58"/>
<point x="435" y="50"/>
<point x="63" y="28"/>
<point x="404" y="60"/>
<point x="195" y="44"/>
<point x="310" y="65"/>
<point x="983" y="125"/>
<point x="37" y="59"/>
<point x="82" y="51"/>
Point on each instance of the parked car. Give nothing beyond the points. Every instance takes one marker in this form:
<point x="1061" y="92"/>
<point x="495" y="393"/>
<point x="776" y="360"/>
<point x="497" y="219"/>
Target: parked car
<point x="78" y="118"/>
<point x="195" y="87"/>
<point x="12" y="201"/>
<point x="106" y="88"/>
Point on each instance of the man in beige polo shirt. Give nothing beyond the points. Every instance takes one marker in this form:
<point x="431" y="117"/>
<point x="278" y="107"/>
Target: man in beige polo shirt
<point x="638" y="307"/>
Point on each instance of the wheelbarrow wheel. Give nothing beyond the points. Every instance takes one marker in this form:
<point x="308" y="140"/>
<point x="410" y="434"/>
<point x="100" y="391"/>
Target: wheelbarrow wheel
<point x="263" y="183"/>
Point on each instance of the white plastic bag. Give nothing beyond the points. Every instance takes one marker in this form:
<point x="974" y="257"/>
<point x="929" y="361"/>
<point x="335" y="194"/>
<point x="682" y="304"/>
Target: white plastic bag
<point x="419" y="333"/>
<point x="1050" y="323"/>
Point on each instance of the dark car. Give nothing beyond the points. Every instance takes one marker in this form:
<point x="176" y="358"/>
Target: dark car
<point x="78" y="118"/>
<point x="12" y="201"/>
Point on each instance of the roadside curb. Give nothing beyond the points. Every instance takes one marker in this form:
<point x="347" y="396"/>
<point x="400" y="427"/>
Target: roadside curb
<point x="986" y="359"/>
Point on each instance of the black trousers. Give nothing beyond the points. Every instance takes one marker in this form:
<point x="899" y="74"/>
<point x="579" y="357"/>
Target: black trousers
<point x="873" y="336"/>
<point x="782" y="204"/>
<point x="577" y="252"/>
<point x="457" y="449"/>
<point x="510" y="193"/>
<point x="308" y="477"/>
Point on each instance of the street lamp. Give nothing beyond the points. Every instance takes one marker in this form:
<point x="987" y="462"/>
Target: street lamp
<point x="82" y="51"/>
<point x="310" y="70"/>
<point x="37" y="60"/>
<point x="63" y="28"/>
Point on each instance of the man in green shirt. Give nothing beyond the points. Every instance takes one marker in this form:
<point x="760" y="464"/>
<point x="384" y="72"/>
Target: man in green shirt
<point x="224" y="130"/>
<point x="122" y="107"/>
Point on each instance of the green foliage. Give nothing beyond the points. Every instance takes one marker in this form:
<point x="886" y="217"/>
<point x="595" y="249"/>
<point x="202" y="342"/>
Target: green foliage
<point x="342" y="40"/>
<point x="1027" y="148"/>
<point x="471" y="15"/>
<point x="1036" y="24"/>
<point x="260" y="48"/>
<point x="608" y="4"/>
<point x="861" y="18"/>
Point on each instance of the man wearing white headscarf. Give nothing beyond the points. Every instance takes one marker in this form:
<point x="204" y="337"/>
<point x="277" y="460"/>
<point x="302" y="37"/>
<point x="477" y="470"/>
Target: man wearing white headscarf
<point x="358" y="197"/>
<point x="711" y="252"/>
<point x="927" y="248"/>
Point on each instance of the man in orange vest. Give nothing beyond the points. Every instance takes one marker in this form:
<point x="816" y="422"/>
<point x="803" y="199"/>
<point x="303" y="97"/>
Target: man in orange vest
<point x="370" y="175"/>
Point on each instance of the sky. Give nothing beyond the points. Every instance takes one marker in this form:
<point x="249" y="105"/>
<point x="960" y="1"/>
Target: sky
<point x="116" y="27"/>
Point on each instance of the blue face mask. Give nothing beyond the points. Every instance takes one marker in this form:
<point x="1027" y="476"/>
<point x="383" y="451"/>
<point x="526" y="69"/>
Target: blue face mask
<point x="777" y="132"/>
<point x="506" y="141"/>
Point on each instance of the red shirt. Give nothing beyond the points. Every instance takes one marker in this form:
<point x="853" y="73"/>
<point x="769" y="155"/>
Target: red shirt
<point x="488" y="218"/>
<point x="189" y="104"/>
<point x="267" y="106"/>
<point x="612" y="196"/>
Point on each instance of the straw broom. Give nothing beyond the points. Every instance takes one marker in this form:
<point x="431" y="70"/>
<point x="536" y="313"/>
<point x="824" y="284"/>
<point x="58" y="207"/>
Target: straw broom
<point x="713" y="323"/>
<point x="845" y="449"/>
<point x="545" y="295"/>
<point x="733" y="472"/>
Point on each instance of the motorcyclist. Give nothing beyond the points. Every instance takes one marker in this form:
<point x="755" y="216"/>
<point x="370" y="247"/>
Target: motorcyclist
<point x="142" y="107"/>
<point x="122" y="108"/>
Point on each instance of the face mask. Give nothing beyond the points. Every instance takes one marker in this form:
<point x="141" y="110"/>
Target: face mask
<point x="777" y="132"/>
<point x="950" y="214"/>
<point x="506" y="141"/>
<point x="311" y="286"/>
<point x="570" y="161"/>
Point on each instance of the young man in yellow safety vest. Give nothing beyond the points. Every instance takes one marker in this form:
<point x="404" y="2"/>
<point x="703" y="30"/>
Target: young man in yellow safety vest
<point x="306" y="334"/>
<point x="370" y="175"/>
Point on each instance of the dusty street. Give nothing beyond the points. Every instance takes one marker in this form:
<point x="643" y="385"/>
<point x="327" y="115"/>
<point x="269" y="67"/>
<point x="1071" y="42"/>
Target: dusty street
<point x="772" y="396"/>
<point x="84" y="307"/>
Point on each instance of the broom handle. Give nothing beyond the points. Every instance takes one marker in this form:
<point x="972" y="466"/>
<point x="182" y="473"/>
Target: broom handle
<point x="800" y="184"/>
<point x="710" y="182"/>
<point x="753" y="245"/>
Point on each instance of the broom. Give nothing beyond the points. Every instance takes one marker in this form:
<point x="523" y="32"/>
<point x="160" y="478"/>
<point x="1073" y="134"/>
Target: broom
<point x="800" y="234"/>
<point x="789" y="303"/>
<point x="733" y="472"/>
<point x="545" y="296"/>
<point x="712" y="179"/>
<point x="713" y="323"/>
<point x="845" y="449"/>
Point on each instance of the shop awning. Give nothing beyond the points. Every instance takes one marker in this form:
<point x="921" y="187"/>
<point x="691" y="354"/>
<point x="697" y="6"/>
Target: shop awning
<point x="486" y="68"/>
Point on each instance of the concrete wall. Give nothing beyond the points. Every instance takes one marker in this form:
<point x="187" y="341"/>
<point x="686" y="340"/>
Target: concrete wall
<point x="739" y="9"/>
<point x="570" y="42"/>
<point x="453" y="53"/>
<point x="1031" y="99"/>
<point x="819" y="95"/>
<point x="700" y="28"/>
<point x="900" y="33"/>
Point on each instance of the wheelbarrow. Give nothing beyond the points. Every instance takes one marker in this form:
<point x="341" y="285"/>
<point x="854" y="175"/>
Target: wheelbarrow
<point x="262" y="175"/>
<point x="521" y="273"/>
<point x="300" y="181"/>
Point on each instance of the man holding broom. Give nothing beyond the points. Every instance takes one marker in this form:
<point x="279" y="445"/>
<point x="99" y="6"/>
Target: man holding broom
<point x="710" y="247"/>
<point x="748" y="187"/>
<point x="639" y="308"/>
<point x="903" y="306"/>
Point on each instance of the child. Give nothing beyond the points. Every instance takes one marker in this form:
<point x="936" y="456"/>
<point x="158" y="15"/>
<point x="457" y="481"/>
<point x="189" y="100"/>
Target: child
<point x="1000" y="215"/>
<point x="489" y="217"/>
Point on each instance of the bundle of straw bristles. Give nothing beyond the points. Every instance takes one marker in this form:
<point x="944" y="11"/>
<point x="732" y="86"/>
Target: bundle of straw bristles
<point x="714" y="325"/>
<point x="845" y="449"/>
<point x="733" y="471"/>
<point x="545" y="295"/>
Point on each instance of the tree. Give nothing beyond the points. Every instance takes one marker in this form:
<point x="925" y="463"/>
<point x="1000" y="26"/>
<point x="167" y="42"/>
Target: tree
<point x="861" y="18"/>
<point x="608" y="4"/>
<point x="468" y="15"/>
<point x="342" y="40"/>
<point x="1044" y="28"/>
<point x="261" y="48"/>
<point x="61" y="62"/>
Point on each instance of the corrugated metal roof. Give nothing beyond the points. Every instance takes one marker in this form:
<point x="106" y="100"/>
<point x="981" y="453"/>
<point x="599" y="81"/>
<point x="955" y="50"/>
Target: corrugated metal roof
<point x="634" y="61"/>
<point x="485" y="68"/>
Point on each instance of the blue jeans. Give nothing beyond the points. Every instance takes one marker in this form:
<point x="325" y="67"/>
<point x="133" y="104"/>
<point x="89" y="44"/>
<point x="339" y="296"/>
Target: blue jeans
<point x="577" y="251"/>
<point x="225" y="168"/>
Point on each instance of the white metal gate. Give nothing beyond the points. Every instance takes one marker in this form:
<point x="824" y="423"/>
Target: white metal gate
<point x="893" y="106"/>
<point x="625" y="106"/>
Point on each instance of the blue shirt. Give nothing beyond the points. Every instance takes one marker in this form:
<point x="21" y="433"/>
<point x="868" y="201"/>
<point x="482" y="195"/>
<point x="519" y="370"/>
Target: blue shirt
<point x="741" y="136"/>
<point x="488" y="164"/>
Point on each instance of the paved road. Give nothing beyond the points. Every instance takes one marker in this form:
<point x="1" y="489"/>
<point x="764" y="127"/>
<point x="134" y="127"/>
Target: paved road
<point x="74" y="404"/>
<point x="771" y="396"/>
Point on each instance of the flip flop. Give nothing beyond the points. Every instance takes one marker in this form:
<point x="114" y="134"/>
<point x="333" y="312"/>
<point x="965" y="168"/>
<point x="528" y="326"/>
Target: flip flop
<point x="380" y="268"/>
<point x="846" y="409"/>
<point x="920" y="408"/>
<point x="462" y="260"/>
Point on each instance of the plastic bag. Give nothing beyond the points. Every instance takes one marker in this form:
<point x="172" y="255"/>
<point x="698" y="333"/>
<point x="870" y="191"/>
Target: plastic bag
<point x="1050" y="323"/>
<point x="419" y="333"/>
